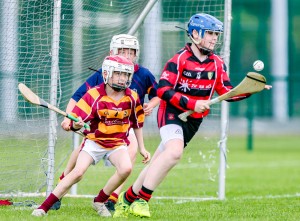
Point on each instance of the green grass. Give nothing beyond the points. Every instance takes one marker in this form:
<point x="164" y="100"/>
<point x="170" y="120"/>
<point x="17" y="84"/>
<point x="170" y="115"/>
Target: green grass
<point x="262" y="184"/>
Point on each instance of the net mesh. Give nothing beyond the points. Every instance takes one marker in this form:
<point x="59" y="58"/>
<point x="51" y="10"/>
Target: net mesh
<point x="86" y="28"/>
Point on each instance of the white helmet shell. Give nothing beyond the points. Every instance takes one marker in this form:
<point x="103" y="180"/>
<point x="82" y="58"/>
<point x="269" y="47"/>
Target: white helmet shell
<point x="124" y="41"/>
<point x="117" y="63"/>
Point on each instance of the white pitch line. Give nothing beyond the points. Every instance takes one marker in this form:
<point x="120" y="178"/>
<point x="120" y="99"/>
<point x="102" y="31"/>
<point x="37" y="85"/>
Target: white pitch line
<point x="177" y="199"/>
<point x="269" y="196"/>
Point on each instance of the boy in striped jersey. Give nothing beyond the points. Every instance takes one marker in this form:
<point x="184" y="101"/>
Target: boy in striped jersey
<point x="143" y="82"/>
<point x="187" y="82"/>
<point x="112" y="109"/>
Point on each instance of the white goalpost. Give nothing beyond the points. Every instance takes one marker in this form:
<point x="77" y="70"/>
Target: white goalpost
<point x="50" y="45"/>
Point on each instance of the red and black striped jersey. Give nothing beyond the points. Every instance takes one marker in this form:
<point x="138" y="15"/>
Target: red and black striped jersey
<point x="110" y="120"/>
<point x="185" y="80"/>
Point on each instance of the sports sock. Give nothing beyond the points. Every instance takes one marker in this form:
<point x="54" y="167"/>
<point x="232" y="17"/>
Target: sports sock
<point x="51" y="199"/>
<point x="130" y="196"/>
<point x="102" y="197"/>
<point x="62" y="176"/>
<point x="145" y="194"/>
<point x="113" y="197"/>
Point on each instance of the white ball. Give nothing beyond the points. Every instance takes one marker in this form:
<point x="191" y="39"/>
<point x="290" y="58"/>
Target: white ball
<point x="258" y="65"/>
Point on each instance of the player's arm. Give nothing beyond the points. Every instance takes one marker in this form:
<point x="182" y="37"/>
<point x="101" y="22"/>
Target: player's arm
<point x="92" y="81"/>
<point x="137" y="119"/>
<point x="65" y="124"/>
<point x="223" y="85"/>
<point x="166" y="84"/>
<point x="152" y="94"/>
<point x="77" y="125"/>
<point x="148" y="107"/>
<point x="85" y="108"/>
<point x="139" y="136"/>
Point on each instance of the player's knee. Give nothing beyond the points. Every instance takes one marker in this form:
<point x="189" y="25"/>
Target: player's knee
<point x="125" y="171"/>
<point x="175" y="155"/>
<point x="78" y="174"/>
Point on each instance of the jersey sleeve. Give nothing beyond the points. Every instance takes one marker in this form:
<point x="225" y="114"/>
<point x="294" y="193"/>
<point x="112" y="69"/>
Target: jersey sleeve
<point x="85" y="107"/>
<point x="169" y="77"/>
<point x="91" y="82"/>
<point x="224" y="85"/>
<point x="152" y="86"/>
<point x="137" y="117"/>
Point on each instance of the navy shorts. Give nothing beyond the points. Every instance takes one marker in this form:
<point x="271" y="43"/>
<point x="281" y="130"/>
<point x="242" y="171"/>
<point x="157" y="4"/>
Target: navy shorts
<point x="169" y="115"/>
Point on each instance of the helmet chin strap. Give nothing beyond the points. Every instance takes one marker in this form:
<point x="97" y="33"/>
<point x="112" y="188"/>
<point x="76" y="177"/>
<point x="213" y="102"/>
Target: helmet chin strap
<point x="119" y="88"/>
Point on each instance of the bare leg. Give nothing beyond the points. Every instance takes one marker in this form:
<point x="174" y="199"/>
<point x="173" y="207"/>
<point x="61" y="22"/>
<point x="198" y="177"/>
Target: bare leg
<point x="70" y="166"/>
<point x="162" y="164"/>
<point x="137" y="185"/>
<point x="132" y="150"/>
<point x="83" y="162"/>
<point x="121" y="160"/>
<point x="72" y="160"/>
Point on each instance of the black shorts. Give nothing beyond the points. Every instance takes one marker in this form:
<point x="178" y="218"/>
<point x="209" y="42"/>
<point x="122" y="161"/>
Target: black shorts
<point x="169" y="115"/>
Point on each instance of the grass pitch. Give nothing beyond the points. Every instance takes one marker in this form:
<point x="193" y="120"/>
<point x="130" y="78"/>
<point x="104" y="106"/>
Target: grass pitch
<point x="262" y="184"/>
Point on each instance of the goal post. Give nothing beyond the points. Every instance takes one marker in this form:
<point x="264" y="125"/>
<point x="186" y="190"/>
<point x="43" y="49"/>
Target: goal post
<point x="225" y="54"/>
<point x="57" y="41"/>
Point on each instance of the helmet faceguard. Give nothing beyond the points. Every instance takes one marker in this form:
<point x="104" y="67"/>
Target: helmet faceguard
<point x="124" y="41"/>
<point x="116" y="63"/>
<point x="203" y="23"/>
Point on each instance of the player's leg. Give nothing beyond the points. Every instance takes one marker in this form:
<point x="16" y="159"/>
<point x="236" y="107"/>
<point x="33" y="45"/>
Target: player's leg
<point x="175" y="137"/>
<point x="121" y="160"/>
<point x="70" y="166"/>
<point x="137" y="185"/>
<point x="132" y="150"/>
<point x="83" y="162"/>
<point x="126" y="198"/>
<point x="173" y="146"/>
<point x="72" y="160"/>
<point x="163" y="163"/>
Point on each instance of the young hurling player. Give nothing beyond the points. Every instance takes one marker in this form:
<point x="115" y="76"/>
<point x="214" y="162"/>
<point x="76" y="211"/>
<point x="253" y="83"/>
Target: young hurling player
<point x="143" y="82"/>
<point x="112" y="109"/>
<point x="187" y="82"/>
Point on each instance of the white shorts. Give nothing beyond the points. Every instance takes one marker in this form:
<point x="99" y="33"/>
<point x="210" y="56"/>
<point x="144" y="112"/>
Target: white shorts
<point x="170" y="132"/>
<point x="98" y="153"/>
<point x="107" y="162"/>
<point x="131" y="131"/>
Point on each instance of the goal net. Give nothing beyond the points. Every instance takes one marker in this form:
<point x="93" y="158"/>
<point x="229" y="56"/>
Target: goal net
<point x="49" y="46"/>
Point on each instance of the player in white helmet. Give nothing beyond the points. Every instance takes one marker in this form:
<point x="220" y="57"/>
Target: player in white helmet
<point x="124" y="41"/>
<point x="113" y="110"/>
<point x="143" y="82"/>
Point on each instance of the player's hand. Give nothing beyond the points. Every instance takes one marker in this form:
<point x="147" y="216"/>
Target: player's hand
<point x="268" y="87"/>
<point x="78" y="125"/>
<point x="201" y="106"/>
<point x="146" y="155"/>
<point x="65" y="124"/>
<point x="147" y="109"/>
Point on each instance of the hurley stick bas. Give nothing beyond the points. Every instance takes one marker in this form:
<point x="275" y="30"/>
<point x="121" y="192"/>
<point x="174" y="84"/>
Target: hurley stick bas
<point x="36" y="100"/>
<point x="251" y="84"/>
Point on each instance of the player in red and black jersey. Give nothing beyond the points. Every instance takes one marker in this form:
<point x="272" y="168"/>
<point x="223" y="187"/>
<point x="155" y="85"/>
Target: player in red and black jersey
<point x="112" y="109"/>
<point x="188" y="81"/>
